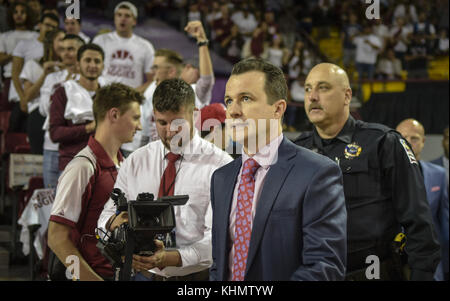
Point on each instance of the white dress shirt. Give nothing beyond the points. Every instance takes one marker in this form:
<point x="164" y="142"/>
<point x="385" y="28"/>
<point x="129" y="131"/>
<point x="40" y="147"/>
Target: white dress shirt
<point x="142" y="172"/>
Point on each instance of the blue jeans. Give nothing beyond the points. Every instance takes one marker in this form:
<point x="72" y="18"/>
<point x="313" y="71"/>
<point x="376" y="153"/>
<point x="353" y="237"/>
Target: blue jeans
<point x="50" y="168"/>
<point x="365" y="68"/>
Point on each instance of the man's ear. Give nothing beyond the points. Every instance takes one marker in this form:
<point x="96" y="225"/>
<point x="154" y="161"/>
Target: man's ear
<point x="280" y="107"/>
<point x="348" y="96"/>
<point x="113" y="114"/>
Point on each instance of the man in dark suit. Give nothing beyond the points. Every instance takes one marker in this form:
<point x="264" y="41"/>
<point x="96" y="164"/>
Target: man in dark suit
<point x="436" y="188"/>
<point x="279" y="210"/>
<point x="443" y="160"/>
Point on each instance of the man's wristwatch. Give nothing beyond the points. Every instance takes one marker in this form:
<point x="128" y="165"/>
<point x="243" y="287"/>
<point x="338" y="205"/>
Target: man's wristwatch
<point x="203" y="43"/>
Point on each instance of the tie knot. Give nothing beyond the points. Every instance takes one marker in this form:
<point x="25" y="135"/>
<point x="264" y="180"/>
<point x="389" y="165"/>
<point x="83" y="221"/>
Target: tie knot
<point x="250" y="168"/>
<point x="172" y="157"/>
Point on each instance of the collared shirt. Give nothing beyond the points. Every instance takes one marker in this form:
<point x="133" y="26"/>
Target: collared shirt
<point x="81" y="194"/>
<point x="384" y="191"/>
<point x="142" y="172"/>
<point x="265" y="157"/>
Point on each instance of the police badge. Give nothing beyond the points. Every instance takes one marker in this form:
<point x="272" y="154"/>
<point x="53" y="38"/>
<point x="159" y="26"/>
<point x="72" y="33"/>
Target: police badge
<point x="352" y="151"/>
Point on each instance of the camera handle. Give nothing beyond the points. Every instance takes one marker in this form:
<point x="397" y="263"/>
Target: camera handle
<point x="125" y="273"/>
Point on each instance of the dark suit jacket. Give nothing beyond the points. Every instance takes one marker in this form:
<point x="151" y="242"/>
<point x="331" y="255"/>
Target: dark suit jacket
<point x="299" y="230"/>
<point x="436" y="186"/>
<point x="439" y="161"/>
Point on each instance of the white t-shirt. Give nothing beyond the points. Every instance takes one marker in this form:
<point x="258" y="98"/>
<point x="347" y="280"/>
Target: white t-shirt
<point x="28" y="50"/>
<point x="276" y="57"/>
<point x="382" y="32"/>
<point x="297" y="92"/>
<point x="142" y="172"/>
<point x="47" y="89"/>
<point x="31" y="72"/>
<point x="400" y="46"/>
<point x="402" y="10"/>
<point x="365" y="53"/>
<point x="9" y="41"/>
<point x="126" y="59"/>
<point x="246" y="25"/>
<point x="84" y="37"/>
<point x="443" y="44"/>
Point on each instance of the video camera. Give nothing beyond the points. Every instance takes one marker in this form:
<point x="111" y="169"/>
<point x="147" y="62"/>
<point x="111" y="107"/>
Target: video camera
<point x="147" y="219"/>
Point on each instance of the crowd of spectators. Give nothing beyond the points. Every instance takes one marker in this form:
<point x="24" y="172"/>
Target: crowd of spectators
<point x="402" y="42"/>
<point x="406" y="37"/>
<point x="408" y="34"/>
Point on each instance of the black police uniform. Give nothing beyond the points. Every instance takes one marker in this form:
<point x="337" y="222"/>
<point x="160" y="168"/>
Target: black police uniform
<point x="384" y="190"/>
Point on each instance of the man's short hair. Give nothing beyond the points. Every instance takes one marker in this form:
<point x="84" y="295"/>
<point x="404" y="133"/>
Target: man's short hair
<point x="115" y="95"/>
<point x="171" y="95"/>
<point x="29" y="24"/>
<point x="71" y="18"/>
<point x="275" y="85"/>
<point x="71" y="36"/>
<point x="50" y="16"/>
<point x="90" y="46"/>
<point x="172" y="57"/>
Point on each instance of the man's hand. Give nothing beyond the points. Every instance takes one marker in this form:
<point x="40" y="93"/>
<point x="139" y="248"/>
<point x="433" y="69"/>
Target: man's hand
<point x="118" y="220"/>
<point x="157" y="260"/>
<point x="49" y="66"/>
<point x="195" y="29"/>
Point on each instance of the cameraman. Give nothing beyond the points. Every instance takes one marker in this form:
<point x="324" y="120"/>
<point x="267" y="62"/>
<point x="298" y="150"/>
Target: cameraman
<point x="179" y="163"/>
<point x="87" y="181"/>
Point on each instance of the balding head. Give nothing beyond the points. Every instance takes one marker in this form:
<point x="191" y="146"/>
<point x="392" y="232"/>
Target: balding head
<point x="333" y="72"/>
<point x="327" y="98"/>
<point x="414" y="133"/>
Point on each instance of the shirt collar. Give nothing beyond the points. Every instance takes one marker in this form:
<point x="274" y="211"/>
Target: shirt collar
<point x="102" y="157"/>
<point x="267" y="155"/>
<point x="194" y="147"/>
<point x="345" y="135"/>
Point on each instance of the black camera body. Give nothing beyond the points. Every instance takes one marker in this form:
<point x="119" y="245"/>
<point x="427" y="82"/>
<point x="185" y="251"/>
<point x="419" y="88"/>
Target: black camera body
<point x="147" y="218"/>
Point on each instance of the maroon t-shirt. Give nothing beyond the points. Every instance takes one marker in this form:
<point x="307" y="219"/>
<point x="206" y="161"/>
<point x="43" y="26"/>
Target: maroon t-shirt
<point x="80" y="197"/>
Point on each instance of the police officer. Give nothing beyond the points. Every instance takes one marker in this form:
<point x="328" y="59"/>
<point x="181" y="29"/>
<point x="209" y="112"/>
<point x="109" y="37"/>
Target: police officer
<point x="383" y="185"/>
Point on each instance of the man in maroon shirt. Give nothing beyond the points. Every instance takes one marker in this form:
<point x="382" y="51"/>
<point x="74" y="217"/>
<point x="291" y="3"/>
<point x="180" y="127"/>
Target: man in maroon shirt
<point x="71" y="117"/>
<point x="222" y="26"/>
<point x="86" y="183"/>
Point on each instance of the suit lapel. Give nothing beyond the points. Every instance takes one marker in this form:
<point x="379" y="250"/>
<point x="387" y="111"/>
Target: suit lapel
<point x="272" y="184"/>
<point x="223" y="205"/>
